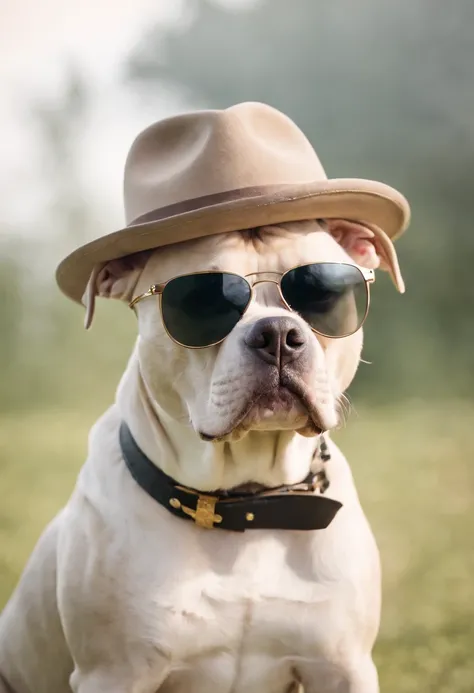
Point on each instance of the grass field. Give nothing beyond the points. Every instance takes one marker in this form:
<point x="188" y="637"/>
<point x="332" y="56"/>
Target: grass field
<point x="413" y="467"/>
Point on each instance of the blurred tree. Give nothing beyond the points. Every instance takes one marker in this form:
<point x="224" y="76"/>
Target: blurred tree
<point x="49" y="360"/>
<point x="383" y="90"/>
<point x="11" y="314"/>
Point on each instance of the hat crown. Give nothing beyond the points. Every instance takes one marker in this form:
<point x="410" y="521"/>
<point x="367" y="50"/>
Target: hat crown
<point x="209" y="152"/>
<point x="214" y="172"/>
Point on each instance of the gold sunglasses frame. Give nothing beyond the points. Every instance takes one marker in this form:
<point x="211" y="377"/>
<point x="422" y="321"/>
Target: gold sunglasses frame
<point x="157" y="290"/>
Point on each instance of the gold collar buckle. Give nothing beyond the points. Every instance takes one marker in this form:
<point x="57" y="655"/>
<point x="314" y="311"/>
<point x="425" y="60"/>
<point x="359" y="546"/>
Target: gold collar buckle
<point x="204" y="515"/>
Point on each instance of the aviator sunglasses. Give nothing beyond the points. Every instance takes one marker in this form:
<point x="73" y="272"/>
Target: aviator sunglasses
<point x="201" y="309"/>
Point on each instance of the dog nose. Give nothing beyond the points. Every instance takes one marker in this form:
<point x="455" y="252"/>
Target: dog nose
<point x="277" y="341"/>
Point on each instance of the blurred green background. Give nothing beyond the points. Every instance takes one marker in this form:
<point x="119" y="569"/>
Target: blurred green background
<point x="384" y="91"/>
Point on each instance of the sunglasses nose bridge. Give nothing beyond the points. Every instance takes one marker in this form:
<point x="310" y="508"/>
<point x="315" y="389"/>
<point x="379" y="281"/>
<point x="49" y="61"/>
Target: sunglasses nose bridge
<point x="265" y="281"/>
<point x="268" y="296"/>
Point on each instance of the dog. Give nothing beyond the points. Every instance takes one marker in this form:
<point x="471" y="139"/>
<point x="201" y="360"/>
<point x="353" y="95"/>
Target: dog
<point x="124" y="593"/>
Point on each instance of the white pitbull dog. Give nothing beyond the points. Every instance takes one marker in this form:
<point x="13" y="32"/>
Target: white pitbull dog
<point x="123" y="596"/>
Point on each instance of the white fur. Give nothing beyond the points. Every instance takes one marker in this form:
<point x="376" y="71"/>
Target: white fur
<point x="120" y="596"/>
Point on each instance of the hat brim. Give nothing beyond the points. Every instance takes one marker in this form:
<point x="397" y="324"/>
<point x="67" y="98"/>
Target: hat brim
<point x="355" y="199"/>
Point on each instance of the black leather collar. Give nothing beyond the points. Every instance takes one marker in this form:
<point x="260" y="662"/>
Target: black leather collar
<point x="286" y="507"/>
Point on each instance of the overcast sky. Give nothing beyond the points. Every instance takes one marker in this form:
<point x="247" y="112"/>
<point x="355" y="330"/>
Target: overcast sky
<point x="38" y="38"/>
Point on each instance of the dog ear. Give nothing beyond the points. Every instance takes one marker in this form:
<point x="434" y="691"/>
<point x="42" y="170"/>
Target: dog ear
<point x="113" y="279"/>
<point x="368" y="246"/>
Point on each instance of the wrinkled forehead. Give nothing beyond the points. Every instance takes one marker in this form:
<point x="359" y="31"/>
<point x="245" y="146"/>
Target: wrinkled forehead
<point x="267" y="249"/>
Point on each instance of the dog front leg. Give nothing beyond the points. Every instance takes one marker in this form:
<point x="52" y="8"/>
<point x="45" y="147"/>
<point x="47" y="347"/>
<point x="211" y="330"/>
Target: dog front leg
<point x="125" y="679"/>
<point x="361" y="677"/>
<point x="364" y="679"/>
<point x="144" y="674"/>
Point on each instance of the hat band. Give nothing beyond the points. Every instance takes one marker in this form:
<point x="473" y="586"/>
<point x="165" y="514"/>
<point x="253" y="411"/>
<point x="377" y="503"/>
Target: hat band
<point x="209" y="201"/>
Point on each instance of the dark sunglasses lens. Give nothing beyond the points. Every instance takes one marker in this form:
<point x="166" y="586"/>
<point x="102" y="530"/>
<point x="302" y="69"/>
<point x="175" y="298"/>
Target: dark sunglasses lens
<point x="201" y="309"/>
<point x="331" y="297"/>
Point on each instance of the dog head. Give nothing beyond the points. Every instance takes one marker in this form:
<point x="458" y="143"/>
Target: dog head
<point x="272" y="372"/>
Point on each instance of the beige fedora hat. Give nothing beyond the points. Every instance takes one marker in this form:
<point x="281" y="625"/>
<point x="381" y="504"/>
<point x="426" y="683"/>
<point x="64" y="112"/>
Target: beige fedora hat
<point x="217" y="171"/>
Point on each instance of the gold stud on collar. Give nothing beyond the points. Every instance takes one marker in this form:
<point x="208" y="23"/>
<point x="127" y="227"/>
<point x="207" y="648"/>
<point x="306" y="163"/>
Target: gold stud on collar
<point x="250" y="517"/>
<point x="175" y="503"/>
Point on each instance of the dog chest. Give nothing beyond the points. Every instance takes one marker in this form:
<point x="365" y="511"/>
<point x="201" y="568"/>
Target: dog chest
<point x="245" y="621"/>
<point x="261" y="643"/>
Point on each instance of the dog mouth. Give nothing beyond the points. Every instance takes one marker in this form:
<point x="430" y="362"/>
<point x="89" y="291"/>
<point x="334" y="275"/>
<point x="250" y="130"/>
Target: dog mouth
<point x="285" y="405"/>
